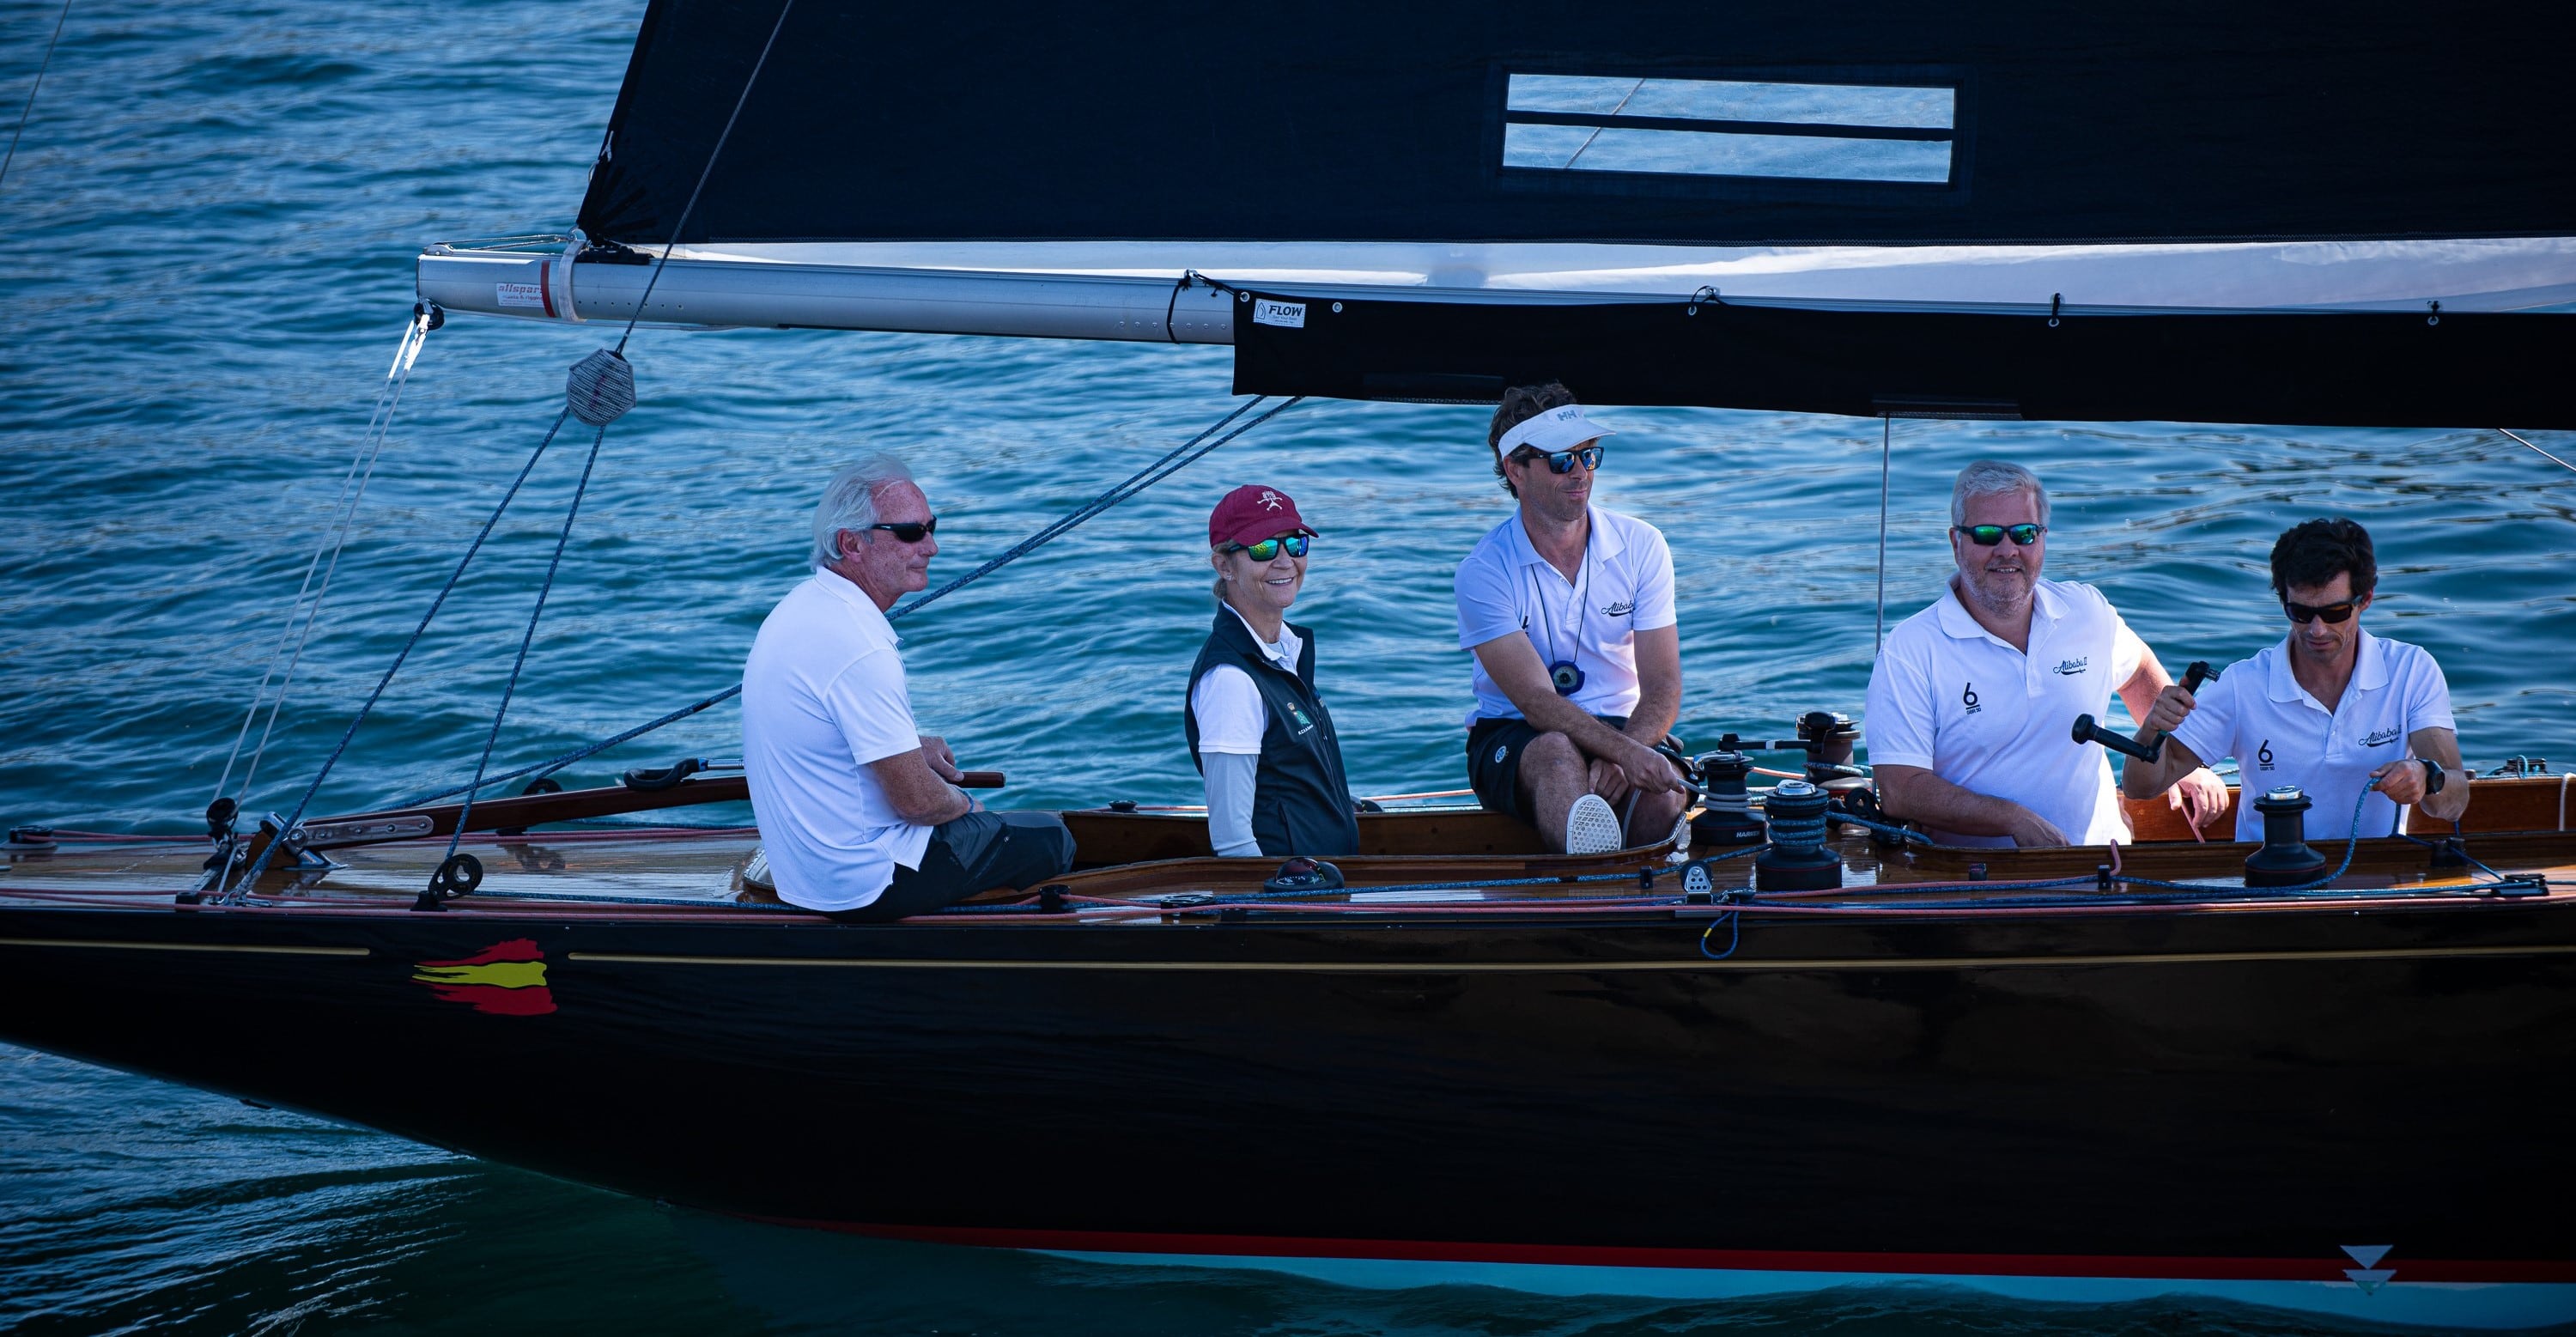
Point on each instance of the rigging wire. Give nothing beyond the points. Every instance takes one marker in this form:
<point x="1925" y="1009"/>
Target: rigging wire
<point x="23" y="112"/>
<point x="2571" y="468"/>
<point x="527" y="638"/>
<point x="703" y="173"/>
<point x="1886" y="442"/>
<point x="362" y="470"/>
<point x="225" y="890"/>
<point x="1171" y="462"/>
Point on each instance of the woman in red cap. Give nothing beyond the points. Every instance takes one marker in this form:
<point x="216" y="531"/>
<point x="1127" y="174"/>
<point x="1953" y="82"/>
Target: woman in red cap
<point x="1257" y="728"/>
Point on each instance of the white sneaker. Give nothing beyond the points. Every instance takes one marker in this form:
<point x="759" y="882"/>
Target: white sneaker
<point x="1591" y="828"/>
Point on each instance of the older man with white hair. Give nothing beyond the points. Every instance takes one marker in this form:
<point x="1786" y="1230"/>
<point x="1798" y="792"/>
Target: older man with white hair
<point x="860" y="815"/>
<point x="1972" y="699"/>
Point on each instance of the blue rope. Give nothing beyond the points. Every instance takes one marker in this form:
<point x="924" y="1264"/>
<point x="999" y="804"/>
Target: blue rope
<point x="1733" y="920"/>
<point x="527" y="638"/>
<point x="225" y="889"/>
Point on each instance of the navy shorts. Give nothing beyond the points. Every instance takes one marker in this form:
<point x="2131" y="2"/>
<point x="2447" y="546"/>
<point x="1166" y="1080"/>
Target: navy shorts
<point x="1494" y="762"/>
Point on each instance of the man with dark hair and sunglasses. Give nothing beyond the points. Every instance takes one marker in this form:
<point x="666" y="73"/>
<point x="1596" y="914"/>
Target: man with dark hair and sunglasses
<point x="1568" y="609"/>
<point x="1971" y="699"/>
<point x="860" y="814"/>
<point x="2330" y="708"/>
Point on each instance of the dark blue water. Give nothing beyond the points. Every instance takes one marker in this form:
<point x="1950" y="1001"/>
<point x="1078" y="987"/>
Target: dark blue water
<point x="205" y="259"/>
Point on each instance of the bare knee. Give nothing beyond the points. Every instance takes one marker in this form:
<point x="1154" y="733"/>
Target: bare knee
<point x="1551" y="753"/>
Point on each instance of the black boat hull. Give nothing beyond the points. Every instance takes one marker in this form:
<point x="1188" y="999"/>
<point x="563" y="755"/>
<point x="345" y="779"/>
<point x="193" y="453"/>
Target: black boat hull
<point x="2223" y="1096"/>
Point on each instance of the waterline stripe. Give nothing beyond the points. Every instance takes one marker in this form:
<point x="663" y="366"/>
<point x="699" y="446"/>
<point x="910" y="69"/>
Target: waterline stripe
<point x="1583" y="967"/>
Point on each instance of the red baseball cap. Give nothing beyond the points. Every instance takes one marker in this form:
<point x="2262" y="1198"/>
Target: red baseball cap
<point x="1251" y="513"/>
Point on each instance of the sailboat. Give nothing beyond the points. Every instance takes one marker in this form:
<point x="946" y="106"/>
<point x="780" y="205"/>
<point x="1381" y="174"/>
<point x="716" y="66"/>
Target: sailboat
<point x="1806" y="1049"/>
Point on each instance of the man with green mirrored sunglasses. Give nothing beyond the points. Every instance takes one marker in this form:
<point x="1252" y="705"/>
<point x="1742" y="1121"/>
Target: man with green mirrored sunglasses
<point x="1971" y="700"/>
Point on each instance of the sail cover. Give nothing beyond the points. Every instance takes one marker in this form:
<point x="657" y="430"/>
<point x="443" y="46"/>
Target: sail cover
<point x="2206" y="158"/>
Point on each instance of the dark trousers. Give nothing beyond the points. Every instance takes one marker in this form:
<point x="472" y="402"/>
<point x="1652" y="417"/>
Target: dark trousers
<point x="976" y="852"/>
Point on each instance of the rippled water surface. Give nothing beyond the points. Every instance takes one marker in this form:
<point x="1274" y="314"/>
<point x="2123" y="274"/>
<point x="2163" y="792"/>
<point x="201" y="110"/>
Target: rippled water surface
<point x="205" y="260"/>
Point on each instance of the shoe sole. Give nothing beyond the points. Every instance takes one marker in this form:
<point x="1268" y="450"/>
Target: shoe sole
<point x="1591" y="828"/>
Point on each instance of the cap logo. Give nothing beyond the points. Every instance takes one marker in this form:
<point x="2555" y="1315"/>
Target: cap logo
<point x="1269" y="500"/>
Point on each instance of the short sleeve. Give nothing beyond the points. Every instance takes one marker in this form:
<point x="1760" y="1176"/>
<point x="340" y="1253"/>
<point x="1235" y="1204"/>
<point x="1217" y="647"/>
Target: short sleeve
<point x="2428" y="695"/>
<point x="1488" y="606"/>
<point x="1229" y="711"/>
<point x="1654" y="585"/>
<point x="2210" y="729"/>
<point x="2127" y="651"/>
<point x="872" y="707"/>
<point x="1897" y="718"/>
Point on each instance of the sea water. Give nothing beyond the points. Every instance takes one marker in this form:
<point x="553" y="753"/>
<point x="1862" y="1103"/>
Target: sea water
<point x="206" y="244"/>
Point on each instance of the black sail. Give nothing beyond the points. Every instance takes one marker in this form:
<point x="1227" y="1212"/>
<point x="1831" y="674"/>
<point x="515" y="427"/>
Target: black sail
<point x="1342" y="121"/>
<point x="1660" y="124"/>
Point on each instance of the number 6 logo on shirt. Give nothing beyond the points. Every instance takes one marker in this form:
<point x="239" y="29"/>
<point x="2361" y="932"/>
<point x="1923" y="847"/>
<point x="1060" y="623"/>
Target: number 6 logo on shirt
<point x="1968" y="697"/>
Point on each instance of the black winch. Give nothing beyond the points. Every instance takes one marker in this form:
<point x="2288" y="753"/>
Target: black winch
<point x="1797" y="859"/>
<point x="2285" y="859"/>
<point x="1726" y="816"/>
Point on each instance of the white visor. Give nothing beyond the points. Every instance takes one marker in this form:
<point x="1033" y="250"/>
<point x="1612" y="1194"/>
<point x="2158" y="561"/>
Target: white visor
<point x="1554" y="430"/>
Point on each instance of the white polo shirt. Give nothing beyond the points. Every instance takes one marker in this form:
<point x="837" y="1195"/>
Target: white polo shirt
<point x="2281" y="735"/>
<point x="823" y="695"/>
<point x="1625" y="586"/>
<point x="1955" y="699"/>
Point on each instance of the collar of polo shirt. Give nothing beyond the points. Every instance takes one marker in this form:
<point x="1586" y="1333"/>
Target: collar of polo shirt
<point x="1604" y="541"/>
<point x="2369" y="669"/>
<point x="1960" y="624"/>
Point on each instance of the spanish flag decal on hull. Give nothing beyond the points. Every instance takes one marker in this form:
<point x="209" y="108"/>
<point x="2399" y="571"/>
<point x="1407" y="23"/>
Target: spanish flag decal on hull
<point x="507" y="978"/>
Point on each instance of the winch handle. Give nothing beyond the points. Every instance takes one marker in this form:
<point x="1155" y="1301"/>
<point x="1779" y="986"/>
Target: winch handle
<point x="2086" y="731"/>
<point x="980" y="779"/>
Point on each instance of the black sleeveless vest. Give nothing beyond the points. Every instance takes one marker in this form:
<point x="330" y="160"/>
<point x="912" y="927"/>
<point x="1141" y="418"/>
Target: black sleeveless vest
<point x="1301" y="804"/>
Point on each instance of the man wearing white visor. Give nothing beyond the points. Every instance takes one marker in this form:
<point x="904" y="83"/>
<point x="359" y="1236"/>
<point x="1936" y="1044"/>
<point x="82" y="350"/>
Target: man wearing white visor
<point x="1569" y="611"/>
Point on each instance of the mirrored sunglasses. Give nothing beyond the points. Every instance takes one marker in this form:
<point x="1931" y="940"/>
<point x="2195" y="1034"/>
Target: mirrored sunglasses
<point x="1562" y="461"/>
<point x="1987" y="536"/>
<point x="1268" y="549"/>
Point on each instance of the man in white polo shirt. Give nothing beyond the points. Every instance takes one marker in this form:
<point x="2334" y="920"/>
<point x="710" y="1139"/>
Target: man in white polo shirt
<point x="1569" y="611"/>
<point x="860" y="815"/>
<point x="2330" y="708"/>
<point x="1972" y="700"/>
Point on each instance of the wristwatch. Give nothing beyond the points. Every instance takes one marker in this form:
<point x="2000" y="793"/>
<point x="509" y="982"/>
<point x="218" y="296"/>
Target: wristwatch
<point x="2432" y="776"/>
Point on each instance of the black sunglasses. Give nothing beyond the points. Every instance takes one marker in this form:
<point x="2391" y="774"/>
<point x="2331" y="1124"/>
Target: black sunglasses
<point x="1562" y="461"/>
<point x="1268" y="549"/>
<point x="1987" y="536"/>
<point x="912" y="531"/>
<point x="2303" y="614"/>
